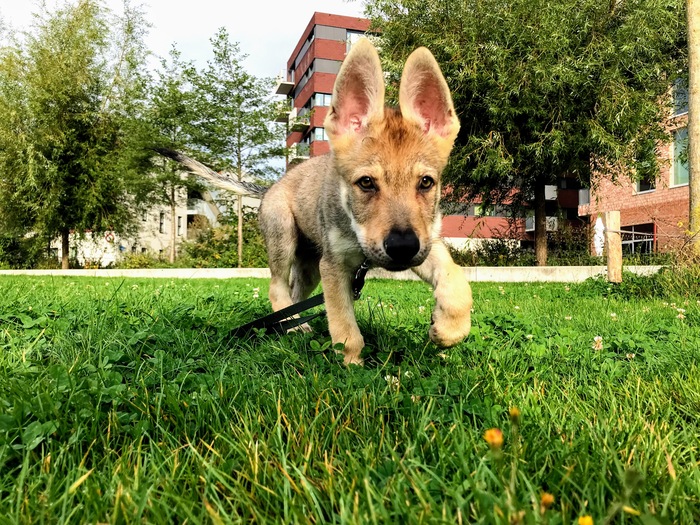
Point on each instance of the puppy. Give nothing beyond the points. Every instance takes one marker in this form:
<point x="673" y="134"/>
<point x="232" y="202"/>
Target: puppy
<point x="373" y="199"/>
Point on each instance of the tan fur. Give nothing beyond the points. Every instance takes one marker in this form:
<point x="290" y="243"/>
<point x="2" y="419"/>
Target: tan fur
<point x="322" y="220"/>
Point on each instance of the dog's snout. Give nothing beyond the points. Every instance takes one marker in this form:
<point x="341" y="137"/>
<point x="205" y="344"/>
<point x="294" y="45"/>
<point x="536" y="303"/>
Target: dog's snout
<point x="401" y="245"/>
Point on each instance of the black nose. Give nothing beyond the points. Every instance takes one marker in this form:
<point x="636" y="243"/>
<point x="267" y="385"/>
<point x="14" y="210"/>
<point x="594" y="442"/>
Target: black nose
<point x="401" y="246"/>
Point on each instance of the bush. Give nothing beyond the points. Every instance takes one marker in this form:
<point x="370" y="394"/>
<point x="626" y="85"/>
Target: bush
<point x="217" y="247"/>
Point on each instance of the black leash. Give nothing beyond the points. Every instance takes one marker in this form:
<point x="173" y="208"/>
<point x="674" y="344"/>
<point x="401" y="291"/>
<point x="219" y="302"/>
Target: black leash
<point x="282" y="320"/>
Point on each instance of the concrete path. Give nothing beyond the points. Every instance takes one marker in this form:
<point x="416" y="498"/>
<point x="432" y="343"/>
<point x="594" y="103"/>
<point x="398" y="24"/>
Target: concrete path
<point x="564" y="274"/>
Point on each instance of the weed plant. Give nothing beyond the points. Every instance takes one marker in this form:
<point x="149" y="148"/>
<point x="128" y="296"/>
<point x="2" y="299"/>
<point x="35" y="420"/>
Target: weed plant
<point x="126" y="401"/>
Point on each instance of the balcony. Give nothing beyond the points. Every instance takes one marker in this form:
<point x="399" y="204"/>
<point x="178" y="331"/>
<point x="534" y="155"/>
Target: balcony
<point x="283" y="86"/>
<point x="299" y="120"/>
<point x="299" y="152"/>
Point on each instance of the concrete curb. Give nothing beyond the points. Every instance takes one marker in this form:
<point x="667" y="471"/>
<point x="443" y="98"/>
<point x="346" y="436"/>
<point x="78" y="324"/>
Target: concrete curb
<point x="563" y="274"/>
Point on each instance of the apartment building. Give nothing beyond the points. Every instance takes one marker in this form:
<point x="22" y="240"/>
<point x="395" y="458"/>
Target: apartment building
<point x="653" y="213"/>
<point x="309" y="78"/>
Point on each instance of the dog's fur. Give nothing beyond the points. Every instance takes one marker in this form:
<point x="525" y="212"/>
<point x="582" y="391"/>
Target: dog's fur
<point x="375" y="198"/>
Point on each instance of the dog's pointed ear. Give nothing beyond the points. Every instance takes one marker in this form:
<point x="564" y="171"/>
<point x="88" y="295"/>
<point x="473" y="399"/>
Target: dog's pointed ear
<point x="424" y="96"/>
<point x="358" y="93"/>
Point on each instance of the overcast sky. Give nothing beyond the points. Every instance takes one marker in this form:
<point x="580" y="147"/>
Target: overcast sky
<point x="267" y="30"/>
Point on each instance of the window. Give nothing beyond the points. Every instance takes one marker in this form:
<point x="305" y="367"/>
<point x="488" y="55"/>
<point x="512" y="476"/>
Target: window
<point x="638" y="238"/>
<point x="679" y="170"/>
<point x="352" y="38"/>
<point x="646" y="184"/>
<point x="680" y="97"/>
<point x="322" y="99"/>
<point x="161" y="223"/>
<point x="179" y="225"/>
<point x="319" y="134"/>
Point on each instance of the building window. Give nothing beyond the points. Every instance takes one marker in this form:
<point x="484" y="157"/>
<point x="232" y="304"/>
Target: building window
<point x="322" y="99"/>
<point x="679" y="170"/>
<point x="352" y="38"/>
<point x="638" y="238"/>
<point x="680" y="97"/>
<point x="179" y="225"/>
<point x="319" y="134"/>
<point x="646" y="184"/>
<point x="161" y="222"/>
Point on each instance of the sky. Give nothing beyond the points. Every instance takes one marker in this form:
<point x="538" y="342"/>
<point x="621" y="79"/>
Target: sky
<point x="267" y="30"/>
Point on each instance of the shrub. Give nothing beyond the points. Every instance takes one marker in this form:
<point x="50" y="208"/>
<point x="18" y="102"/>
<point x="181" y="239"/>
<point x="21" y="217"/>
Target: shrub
<point x="216" y="247"/>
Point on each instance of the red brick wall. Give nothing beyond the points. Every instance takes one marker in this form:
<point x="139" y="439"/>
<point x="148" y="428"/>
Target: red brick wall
<point x="666" y="206"/>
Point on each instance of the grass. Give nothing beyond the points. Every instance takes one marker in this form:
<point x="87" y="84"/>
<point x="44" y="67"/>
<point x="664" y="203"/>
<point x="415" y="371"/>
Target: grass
<point x="124" y="401"/>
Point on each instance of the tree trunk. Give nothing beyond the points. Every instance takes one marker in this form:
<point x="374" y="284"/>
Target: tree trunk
<point x="173" y="226"/>
<point x="65" y="249"/>
<point x="540" y="224"/>
<point x="694" y="119"/>
<point x="240" y="231"/>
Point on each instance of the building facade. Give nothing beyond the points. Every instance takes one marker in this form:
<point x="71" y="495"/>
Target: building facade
<point x="309" y="78"/>
<point x="653" y="214"/>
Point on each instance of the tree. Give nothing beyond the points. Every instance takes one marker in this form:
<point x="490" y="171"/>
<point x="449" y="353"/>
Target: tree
<point x="166" y="122"/>
<point x="235" y="130"/>
<point x="694" y="120"/>
<point x="545" y="89"/>
<point x="63" y="94"/>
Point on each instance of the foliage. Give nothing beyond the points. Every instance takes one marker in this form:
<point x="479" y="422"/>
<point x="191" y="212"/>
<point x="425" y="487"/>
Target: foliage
<point x="127" y="401"/>
<point x="545" y="89"/>
<point x="63" y="97"/>
<point x="234" y="114"/>
<point x="216" y="247"/>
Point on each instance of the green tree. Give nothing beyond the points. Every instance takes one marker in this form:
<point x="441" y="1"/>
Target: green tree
<point x="545" y="89"/>
<point x="166" y="121"/>
<point x="63" y="97"/>
<point x="235" y="130"/>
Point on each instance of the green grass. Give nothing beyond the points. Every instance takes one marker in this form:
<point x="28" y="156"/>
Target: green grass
<point x="124" y="401"/>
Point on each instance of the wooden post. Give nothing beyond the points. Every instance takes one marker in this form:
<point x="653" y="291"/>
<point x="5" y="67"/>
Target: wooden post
<point x="613" y="245"/>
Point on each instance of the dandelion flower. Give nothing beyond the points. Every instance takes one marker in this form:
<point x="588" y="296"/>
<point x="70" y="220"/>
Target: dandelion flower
<point x="597" y="343"/>
<point x="494" y="437"/>
<point x="514" y="413"/>
<point x="546" y="501"/>
<point x="585" y="520"/>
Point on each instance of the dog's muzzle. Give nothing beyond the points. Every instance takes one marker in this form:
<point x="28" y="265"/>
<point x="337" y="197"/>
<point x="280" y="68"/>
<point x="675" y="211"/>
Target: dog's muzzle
<point x="402" y="246"/>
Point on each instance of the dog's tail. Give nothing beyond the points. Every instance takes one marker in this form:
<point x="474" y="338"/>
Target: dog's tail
<point x="223" y="181"/>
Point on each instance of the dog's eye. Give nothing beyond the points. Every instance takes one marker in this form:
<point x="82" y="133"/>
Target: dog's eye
<point x="426" y="183"/>
<point x="366" y="184"/>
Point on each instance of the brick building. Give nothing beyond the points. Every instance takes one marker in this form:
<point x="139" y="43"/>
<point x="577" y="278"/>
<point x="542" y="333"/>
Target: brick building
<point x="655" y="213"/>
<point x="309" y="79"/>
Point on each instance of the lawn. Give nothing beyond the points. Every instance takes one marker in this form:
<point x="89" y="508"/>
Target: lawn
<point x="125" y="400"/>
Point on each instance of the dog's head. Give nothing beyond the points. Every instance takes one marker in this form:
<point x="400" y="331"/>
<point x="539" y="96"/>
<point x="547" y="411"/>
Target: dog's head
<point x="390" y="160"/>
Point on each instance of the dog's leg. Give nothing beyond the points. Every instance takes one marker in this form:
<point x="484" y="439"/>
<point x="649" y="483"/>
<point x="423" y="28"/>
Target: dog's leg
<point x="337" y="291"/>
<point x="281" y="238"/>
<point x="451" y="319"/>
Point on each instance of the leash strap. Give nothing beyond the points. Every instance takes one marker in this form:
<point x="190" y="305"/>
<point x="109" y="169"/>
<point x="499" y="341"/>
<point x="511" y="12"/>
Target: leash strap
<point x="282" y="320"/>
<point x="279" y="321"/>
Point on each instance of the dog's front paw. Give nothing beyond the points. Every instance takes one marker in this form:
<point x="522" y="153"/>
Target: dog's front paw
<point x="450" y="327"/>
<point x="351" y="352"/>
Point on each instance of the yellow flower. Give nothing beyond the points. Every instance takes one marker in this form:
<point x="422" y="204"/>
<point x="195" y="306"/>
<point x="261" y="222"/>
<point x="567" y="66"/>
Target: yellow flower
<point x="585" y="520"/>
<point x="546" y="501"/>
<point x="514" y="413"/>
<point x="494" y="437"/>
